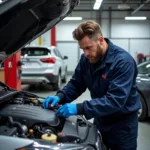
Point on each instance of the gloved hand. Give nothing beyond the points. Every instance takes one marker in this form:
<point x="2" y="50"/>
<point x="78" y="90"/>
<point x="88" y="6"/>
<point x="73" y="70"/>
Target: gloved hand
<point x="53" y="100"/>
<point x="67" y="110"/>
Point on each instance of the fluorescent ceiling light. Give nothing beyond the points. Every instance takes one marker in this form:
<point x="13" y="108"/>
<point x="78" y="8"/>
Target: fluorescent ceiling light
<point x="97" y="4"/>
<point x="73" y="18"/>
<point x="123" y="6"/>
<point x="135" y="18"/>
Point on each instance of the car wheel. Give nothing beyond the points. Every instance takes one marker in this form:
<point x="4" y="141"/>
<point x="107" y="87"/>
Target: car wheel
<point x="32" y="86"/>
<point x="64" y="80"/>
<point x="57" y="85"/>
<point x="142" y="113"/>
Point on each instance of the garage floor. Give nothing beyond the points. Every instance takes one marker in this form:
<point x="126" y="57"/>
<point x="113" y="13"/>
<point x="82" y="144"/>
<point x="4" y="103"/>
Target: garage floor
<point x="144" y="127"/>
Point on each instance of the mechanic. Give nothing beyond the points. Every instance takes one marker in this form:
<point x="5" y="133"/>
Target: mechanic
<point x="109" y="72"/>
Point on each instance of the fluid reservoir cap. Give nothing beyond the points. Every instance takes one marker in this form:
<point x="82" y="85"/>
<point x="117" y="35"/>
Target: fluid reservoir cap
<point x="31" y="130"/>
<point x="50" y="137"/>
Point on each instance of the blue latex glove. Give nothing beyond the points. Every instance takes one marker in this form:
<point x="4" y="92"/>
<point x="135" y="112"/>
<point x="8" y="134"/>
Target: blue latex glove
<point x="53" y="100"/>
<point x="67" y="110"/>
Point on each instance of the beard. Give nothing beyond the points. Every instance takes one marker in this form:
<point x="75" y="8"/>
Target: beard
<point x="93" y="60"/>
<point x="98" y="56"/>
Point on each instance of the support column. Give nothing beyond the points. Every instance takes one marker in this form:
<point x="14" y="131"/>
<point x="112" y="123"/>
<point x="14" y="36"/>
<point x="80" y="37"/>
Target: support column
<point x="110" y="24"/>
<point x="40" y="40"/>
<point x="53" y="36"/>
<point x="13" y="71"/>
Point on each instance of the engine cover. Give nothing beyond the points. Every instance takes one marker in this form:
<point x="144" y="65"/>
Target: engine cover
<point x="30" y="115"/>
<point x="5" y="130"/>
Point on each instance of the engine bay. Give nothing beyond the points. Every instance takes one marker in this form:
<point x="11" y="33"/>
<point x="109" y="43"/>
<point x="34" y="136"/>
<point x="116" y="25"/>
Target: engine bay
<point x="22" y="115"/>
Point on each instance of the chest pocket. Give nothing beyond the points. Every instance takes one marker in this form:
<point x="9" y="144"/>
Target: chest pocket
<point x="101" y="86"/>
<point x="98" y="83"/>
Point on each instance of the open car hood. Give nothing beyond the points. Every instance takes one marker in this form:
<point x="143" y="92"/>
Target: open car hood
<point x="22" y="21"/>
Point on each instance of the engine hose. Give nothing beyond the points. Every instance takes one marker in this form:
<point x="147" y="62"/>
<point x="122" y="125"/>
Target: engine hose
<point x="38" y="128"/>
<point x="86" y="135"/>
<point x="16" y="124"/>
<point x="87" y="129"/>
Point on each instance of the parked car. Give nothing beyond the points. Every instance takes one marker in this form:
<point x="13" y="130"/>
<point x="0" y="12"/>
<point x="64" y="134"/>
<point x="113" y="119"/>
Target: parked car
<point x="43" y="65"/>
<point x="143" y="84"/>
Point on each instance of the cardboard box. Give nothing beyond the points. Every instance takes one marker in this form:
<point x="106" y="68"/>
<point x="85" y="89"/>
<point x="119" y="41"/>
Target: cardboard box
<point x="2" y="76"/>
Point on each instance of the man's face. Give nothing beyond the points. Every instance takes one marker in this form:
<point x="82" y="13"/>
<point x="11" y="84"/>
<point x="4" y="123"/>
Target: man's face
<point x="92" y="49"/>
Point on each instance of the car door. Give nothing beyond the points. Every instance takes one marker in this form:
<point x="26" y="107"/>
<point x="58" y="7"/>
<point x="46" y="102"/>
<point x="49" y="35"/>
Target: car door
<point x="143" y="79"/>
<point x="61" y="61"/>
<point x="64" y="66"/>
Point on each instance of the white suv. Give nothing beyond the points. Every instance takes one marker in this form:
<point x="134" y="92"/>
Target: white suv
<point x="43" y="65"/>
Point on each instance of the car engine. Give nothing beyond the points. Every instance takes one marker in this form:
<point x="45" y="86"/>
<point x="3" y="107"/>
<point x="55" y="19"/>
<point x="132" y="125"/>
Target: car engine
<point x="28" y="118"/>
<point x="21" y="115"/>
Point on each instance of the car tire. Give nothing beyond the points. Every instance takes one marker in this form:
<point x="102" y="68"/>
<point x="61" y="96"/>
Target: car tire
<point x="64" y="80"/>
<point x="142" y="113"/>
<point x="57" y="85"/>
<point x="32" y="86"/>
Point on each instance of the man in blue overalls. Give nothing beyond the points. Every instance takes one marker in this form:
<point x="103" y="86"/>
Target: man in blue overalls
<point x="109" y="72"/>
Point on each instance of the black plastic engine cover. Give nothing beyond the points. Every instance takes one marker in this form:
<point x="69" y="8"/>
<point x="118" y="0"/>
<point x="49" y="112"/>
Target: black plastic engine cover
<point x="30" y="115"/>
<point x="5" y="130"/>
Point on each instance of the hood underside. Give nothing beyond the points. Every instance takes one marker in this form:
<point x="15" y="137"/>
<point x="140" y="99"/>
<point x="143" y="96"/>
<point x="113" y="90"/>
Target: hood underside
<point x="22" y="21"/>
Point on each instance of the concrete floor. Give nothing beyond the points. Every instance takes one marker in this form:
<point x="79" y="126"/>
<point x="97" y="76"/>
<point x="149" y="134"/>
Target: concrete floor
<point x="144" y="127"/>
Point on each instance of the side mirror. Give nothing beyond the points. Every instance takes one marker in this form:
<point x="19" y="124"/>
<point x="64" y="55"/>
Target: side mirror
<point x="65" y="57"/>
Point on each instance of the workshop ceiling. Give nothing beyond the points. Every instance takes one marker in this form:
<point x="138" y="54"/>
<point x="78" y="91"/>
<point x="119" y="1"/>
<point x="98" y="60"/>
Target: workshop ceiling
<point x="128" y="5"/>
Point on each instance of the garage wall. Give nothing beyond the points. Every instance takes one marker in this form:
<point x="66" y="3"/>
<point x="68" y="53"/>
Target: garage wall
<point x="133" y="36"/>
<point x="46" y="39"/>
<point x="70" y="49"/>
<point x="139" y="46"/>
<point x="64" y="30"/>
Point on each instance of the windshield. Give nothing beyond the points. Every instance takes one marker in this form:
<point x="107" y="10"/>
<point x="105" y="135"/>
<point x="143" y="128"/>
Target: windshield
<point x="144" y="68"/>
<point x="34" y="51"/>
<point x="1" y="1"/>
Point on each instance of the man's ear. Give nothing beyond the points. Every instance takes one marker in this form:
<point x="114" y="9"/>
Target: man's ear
<point x="101" y="39"/>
